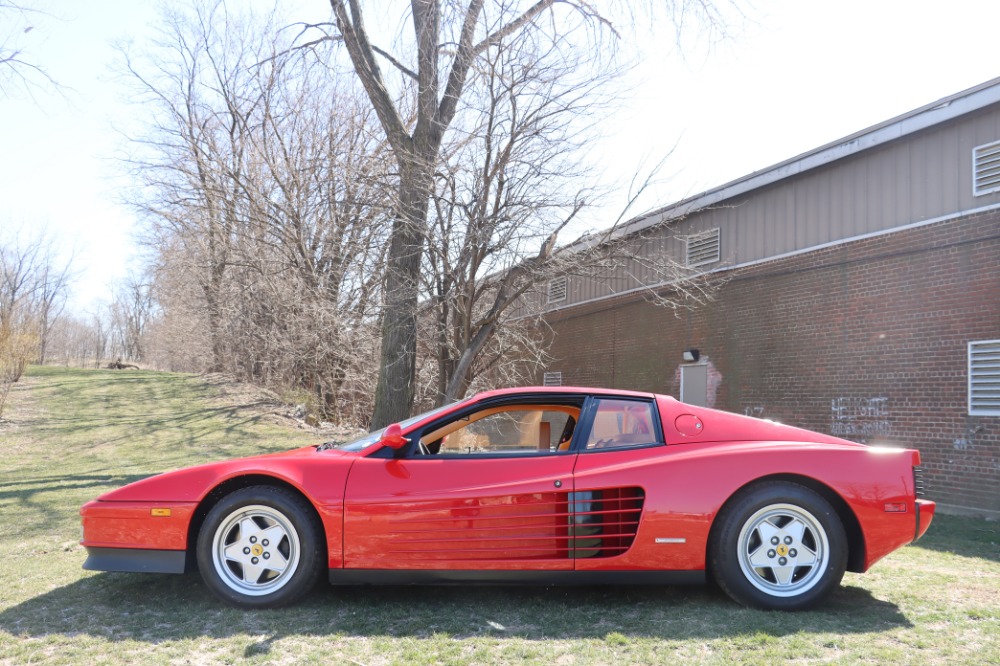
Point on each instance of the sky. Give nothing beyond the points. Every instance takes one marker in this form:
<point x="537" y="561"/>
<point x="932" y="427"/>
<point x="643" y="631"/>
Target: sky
<point x="797" y="75"/>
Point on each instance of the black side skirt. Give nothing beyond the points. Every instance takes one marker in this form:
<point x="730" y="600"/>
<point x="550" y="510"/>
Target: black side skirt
<point x="451" y="577"/>
<point x="135" y="560"/>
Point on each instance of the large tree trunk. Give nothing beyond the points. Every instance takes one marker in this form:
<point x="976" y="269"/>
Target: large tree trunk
<point x="397" y="366"/>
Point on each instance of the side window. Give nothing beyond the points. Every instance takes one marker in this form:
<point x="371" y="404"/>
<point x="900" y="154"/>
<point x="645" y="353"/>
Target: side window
<point x="515" y="430"/>
<point x="620" y="423"/>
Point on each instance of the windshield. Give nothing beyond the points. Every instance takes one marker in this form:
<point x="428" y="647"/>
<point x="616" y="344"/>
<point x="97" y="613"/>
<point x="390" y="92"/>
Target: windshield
<point x="372" y="437"/>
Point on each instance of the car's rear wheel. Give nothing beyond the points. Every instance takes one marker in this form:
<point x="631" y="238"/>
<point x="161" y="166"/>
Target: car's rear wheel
<point x="260" y="547"/>
<point x="778" y="546"/>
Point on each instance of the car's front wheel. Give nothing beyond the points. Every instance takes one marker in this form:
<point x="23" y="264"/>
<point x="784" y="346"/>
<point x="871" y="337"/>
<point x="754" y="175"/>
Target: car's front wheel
<point x="260" y="547"/>
<point x="778" y="546"/>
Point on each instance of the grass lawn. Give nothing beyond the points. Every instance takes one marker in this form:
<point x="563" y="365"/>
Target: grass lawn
<point x="69" y="435"/>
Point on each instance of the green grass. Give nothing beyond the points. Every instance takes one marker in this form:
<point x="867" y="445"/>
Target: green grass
<point x="73" y="434"/>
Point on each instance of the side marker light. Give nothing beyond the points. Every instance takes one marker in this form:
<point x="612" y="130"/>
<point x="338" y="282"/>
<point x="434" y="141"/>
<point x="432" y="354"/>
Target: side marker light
<point x="160" y="513"/>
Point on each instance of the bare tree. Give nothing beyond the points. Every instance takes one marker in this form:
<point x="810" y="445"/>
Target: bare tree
<point x="131" y="311"/>
<point x="301" y="226"/>
<point x="100" y="337"/>
<point x="81" y="342"/>
<point x="265" y="205"/>
<point x="197" y="82"/>
<point x="498" y="211"/>
<point x="33" y="288"/>
<point x="438" y="64"/>
<point x="16" y="68"/>
<point x="505" y="190"/>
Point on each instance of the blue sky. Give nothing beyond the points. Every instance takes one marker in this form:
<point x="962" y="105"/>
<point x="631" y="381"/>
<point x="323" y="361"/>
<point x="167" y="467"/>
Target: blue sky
<point x="799" y="75"/>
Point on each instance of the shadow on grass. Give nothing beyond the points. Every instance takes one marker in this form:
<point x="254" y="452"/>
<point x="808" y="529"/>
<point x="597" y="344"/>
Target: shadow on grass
<point x="154" y="609"/>
<point x="222" y="426"/>
<point x="30" y="499"/>
<point x="21" y="489"/>
<point x="968" y="537"/>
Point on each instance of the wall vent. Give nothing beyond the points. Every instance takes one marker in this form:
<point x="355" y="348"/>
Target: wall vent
<point x="557" y="289"/>
<point x="703" y="248"/>
<point x="552" y="379"/>
<point x="986" y="168"/>
<point x="984" y="378"/>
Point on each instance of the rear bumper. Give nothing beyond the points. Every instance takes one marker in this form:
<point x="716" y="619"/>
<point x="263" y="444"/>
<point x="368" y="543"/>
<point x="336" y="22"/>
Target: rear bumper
<point x="135" y="560"/>
<point x="925" y="513"/>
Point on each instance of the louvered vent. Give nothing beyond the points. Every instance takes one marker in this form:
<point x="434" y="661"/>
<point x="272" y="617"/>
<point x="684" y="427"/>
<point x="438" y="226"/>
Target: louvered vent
<point x="918" y="481"/>
<point x="527" y="526"/>
<point x="524" y="526"/>
<point x="986" y="167"/>
<point x="557" y="289"/>
<point x="605" y="521"/>
<point x="984" y="378"/>
<point x="552" y="379"/>
<point x="703" y="248"/>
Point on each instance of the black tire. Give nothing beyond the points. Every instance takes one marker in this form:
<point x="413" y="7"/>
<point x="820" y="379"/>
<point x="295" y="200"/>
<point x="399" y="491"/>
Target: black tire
<point x="261" y="547"/>
<point x="778" y="546"/>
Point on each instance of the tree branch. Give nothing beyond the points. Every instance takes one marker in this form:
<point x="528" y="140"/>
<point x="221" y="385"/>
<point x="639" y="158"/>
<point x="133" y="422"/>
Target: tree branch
<point x="355" y="38"/>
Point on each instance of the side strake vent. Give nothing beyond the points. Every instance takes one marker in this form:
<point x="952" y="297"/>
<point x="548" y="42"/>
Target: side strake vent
<point x="530" y="526"/>
<point x="918" y="481"/>
<point x="605" y="521"/>
<point x="986" y="168"/>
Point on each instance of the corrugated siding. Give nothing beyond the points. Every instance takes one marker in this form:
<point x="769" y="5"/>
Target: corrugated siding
<point x="919" y="177"/>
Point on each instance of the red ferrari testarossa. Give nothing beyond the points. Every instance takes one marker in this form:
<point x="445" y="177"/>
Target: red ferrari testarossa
<point x="530" y="485"/>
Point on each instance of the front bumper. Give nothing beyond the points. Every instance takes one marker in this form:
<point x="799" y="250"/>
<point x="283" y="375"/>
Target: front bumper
<point x="139" y="526"/>
<point x="135" y="560"/>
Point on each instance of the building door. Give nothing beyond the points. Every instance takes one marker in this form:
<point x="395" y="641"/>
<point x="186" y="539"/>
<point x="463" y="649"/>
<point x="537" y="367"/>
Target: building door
<point x="694" y="384"/>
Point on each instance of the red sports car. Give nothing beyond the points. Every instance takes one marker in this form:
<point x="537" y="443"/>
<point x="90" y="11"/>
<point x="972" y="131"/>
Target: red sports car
<point x="546" y="485"/>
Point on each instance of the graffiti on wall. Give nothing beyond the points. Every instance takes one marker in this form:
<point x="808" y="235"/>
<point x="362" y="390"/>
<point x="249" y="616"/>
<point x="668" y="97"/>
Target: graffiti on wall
<point x="859" y="417"/>
<point x="968" y="438"/>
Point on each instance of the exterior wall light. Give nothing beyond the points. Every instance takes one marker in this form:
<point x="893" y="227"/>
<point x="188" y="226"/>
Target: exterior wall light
<point x="691" y="355"/>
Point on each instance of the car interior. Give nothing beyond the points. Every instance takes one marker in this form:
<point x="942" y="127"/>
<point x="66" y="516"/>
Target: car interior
<point x="541" y="428"/>
<point x="505" y="429"/>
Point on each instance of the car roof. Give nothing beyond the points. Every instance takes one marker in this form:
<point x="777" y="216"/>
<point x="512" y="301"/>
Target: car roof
<point x="561" y="390"/>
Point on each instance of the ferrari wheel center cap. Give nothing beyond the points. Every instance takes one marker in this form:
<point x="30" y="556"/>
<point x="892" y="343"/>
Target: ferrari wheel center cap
<point x="782" y="550"/>
<point x="257" y="550"/>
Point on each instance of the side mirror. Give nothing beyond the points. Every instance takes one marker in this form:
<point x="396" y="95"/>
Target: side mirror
<point x="393" y="437"/>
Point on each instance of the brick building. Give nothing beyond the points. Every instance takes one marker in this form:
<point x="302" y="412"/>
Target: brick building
<point x="862" y="296"/>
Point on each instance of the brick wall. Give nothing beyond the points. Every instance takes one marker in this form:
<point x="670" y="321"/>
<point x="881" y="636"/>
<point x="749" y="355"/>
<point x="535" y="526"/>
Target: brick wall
<point x="866" y="340"/>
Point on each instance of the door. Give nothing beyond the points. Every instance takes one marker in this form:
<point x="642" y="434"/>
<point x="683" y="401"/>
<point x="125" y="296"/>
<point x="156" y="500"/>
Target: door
<point x="694" y="385"/>
<point x="616" y="438"/>
<point x="484" y="489"/>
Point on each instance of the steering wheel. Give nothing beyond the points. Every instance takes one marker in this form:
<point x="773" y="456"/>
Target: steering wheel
<point x="422" y="449"/>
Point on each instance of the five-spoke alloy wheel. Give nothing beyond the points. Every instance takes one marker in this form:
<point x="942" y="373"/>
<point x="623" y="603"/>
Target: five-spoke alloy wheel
<point x="778" y="545"/>
<point x="260" y="547"/>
